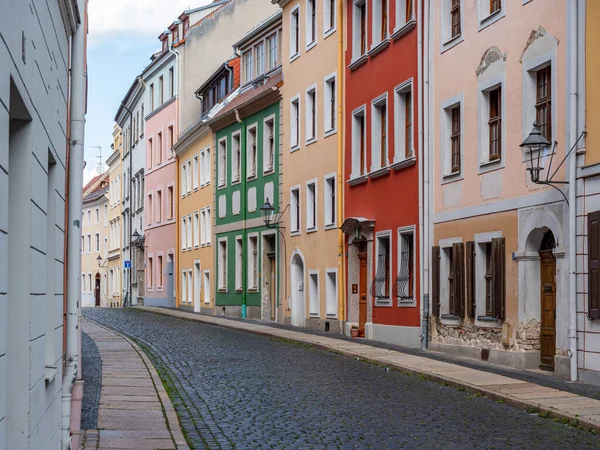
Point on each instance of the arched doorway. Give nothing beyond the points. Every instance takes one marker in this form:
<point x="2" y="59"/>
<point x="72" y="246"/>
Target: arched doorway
<point x="97" y="290"/>
<point x="547" y="301"/>
<point x="297" y="290"/>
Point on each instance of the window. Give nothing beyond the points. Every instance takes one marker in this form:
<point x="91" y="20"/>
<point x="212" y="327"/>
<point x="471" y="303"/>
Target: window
<point x="495" y="124"/>
<point x="206" y="285"/>
<point x="184" y="179"/>
<point x="331" y="293"/>
<point x="188" y="172"/>
<point x="237" y="158"/>
<point x="183" y="285"/>
<point x="196" y="229"/>
<point x="489" y="298"/>
<point x="158" y="206"/>
<point x="380" y="21"/>
<point x="90" y="282"/>
<point x="593" y="247"/>
<point x="89" y="216"/>
<point x="329" y="201"/>
<point x="359" y="29"/>
<point x="379" y="147"/>
<point x="295" y="34"/>
<point x="295" y="123"/>
<point x="329" y="104"/>
<point x="190" y="231"/>
<point x="485" y="276"/>
<point x="83" y="282"/>
<point x="105" y="214"/>
<point x="170" y="136"/>
<point x="380" y="289"/>
<point x="159" y="273"/>
<point x="268" y="145"/>
<point x="159" y="148"/>
<point x="248" y="65"/>
<point x="455" y="18"/>
<point x="184" y="226"/>
<point x="295" y="210"/>
<point x="171" y="83"/>
<point x="359" y="149"/>
<point x="97" y="240"/>
<point x="149" y="219"/>
<point x="161" y="90"/>
<point x="207" y="166"/>
<point x="311" y="206"/>
<point x="190" y="287"/>
<point x="142" y="123"/>
<point x="313" y="294"/>
<point x="202" y="227"/>
<point x="149" y="151"/>
<point x="97" y="215"/>
<point x="239" y="261"/>
<point x="259" y="50"/>
<point x="222" y="262"/>
<point x="451" y="136"/>
<point x="150" y="272"/>
<point x="251" y="152"/>
<point x="403" y="122"/>
<point x="195" y="172"/>
<point x="405" y="281"/>
<point x="455" y="140"/>
<point x="151" y="98"/>
<point x="311" y="23"/>
<point x="329" y="16"/>
<point x="252" y="263"/>
<point x="311" y="114"/>
<point x="404" y="12"/>
<point x="222" y="162"/>
<point x="543" y="102"/>
<point x="272" y="55"/>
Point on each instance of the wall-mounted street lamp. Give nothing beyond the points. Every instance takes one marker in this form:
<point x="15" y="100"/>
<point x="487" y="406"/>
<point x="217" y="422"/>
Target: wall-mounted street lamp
<point x="137" y="239"/>
<point x="99" y="261"/>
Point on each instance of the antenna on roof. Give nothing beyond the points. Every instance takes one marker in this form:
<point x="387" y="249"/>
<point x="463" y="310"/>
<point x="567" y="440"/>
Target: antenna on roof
<point x="100" y="167"/>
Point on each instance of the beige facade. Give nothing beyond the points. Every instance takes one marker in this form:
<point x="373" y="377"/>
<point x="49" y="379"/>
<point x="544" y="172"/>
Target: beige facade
<point x="310" y="146"/>
<point x="94" y="250"/>
<point x="195" y="259"/>
<point x="114" y="263"/>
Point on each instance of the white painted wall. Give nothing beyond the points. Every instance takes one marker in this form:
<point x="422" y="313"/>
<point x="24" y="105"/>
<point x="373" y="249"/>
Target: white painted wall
<point x="34" y="54"/>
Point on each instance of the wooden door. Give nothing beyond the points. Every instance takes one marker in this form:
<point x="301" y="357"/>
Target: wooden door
<point x="272" y="297"/>
<point x="97" y="290"/>
<point x="362" y="301"/>
<point x="548" y="309"/>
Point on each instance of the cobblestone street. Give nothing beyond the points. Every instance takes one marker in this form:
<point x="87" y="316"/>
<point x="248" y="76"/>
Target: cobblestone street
<point x="239" y="390"/>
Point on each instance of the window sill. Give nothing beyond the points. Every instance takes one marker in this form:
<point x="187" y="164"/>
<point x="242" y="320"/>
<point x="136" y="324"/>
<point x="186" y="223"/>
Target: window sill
<point x="330" y="226"/>
<point x="235" y="182"/>
<point x="356" y="63"/>
<point x="268" y="171"/>
<point x="311" y="45"/>
<point x="491" y="320"/>
<point x="452" y="42"/>
<point x="381" y="46"/>
<point x="294" y="148"/>
<point x="222" y="186"/>
<point x="354" y="181"/>
<point x="329" y="32"/>
<point x="384" y="302"/>
<point x="196" y="246"/>
<point x="311" y="229"/>
<point x="253" y="290"/>
<point x="294" y="57"/>
<point x="238" y="290"/>
<point x="381" y="172"/>
<point x="489" y="166"/>
<point x="492" y="18"/>
<point x="450" y="317"/>
<point x="50" y="373"/>
<point x="310" y="141"/>
<point x="314" y="315"/>
<point x="408" y="303"/>
<point x="295" y="233"/>
<point x="403" y="163"/>
<point x="330" y="132"/>
<point x="222" y="290"/>
<point x="404" y="29"/>
<point x="452" y="177"/>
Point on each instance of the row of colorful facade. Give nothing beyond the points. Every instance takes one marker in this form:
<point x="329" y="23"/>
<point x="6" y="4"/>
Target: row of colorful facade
<point x="358" y="166"/>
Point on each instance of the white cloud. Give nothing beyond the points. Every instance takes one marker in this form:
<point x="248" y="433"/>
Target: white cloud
<point x="137" y="17"/>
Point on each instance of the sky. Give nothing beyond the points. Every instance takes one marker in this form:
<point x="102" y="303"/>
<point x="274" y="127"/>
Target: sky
<point x="123" y="34"/>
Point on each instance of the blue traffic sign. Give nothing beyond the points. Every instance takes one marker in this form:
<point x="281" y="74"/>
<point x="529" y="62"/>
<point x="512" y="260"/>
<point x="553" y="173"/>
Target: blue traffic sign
<point x="127" y="264"/>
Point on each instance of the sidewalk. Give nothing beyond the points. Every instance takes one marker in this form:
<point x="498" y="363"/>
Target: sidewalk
<point x="555" y="403"/>
<point x="135" y="411"/>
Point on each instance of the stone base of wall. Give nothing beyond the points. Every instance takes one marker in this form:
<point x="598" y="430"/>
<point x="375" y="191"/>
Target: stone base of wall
<point x="188" y="308"/>
<point x="562" y="367"/>
<point x="518" y="360"/>
<point x="329" y="325"/>
<point x="589" y="376"/>
<point x="208" y="311"/>
<point x="392" y="334"/>
<point x="157" y="301"/>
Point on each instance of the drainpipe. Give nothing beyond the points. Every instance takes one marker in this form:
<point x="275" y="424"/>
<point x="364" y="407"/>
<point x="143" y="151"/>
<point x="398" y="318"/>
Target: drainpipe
<point x="75" y="188"/>
<point x="177" y="236"/>
<point x="243" y="192"/>
<point x="572" y="137"/>
<point x="340" y="175"/>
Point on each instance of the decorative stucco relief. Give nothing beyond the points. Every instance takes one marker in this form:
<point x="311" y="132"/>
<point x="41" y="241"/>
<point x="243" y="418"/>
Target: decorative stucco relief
<point x="490" y="56"/>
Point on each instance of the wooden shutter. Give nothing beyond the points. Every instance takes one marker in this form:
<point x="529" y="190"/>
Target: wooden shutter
<point x="498" y="279"/>
<point x="435" y="281"/>
<point x="470" y="277"/>
<point x="594" y="265"/>
<point x="458" y="257"/>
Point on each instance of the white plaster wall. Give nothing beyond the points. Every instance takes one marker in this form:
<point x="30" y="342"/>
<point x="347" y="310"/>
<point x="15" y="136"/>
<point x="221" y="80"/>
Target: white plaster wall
<point x="34" y="54"/>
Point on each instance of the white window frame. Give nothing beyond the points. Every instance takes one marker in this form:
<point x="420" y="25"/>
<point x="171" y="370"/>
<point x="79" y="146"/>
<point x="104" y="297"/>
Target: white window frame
<point x="312" y="197"/>
<point x="308" y="114"/>
<point x="486" y="18"/>
<point x="248" y="65"/>
<point x="196" y="229"/>
<point x="327" y="14"/>
<point x="404" y="231"/>
<point x="259" y="64"/>
<point x="222" y="162"/>
<point x="480" y="240"/>
<point x="202" y="168"/>
<point x="184" y="275"/>
<point x="251" y="159"/>
<point x="445" y="247"/>
<point x="195" y="173"/>
<point x="356" y="55"/>
<point x="266" y="121"/>
<point x="295" y="125"/>
<point x="189" y="176"/>
<point x="308" y="31"/>
<point x="222" y="278"/>
<point x="314" y="294"/>
<point x="400" y="92"/>
<point x="447" y="41"/>
<point x="328" y="127"/>
<point x="403" y="23"/>
<point x="183" y="234"/>
<point x="376" y="163"/>
<point x="294" y="22"/>
<point x="328" y="272"/>
<point x="387" y="301"/>
<point x="376" y="25"/>
<point x="239" y="263"/>
<point x="268" y="53"/>
<point x="97" y="242"/>
<point x="483" y="130"/>
<point x="208" y="225"/>
<point x="207" y="166"/>
<point x="327" y="206"/>
<point x="361" y="111"/>
<point x="190" y="232"/>
<point x="446" y="107"/>
<point x="206" y="286"/>
<point x="97" y="215"/>
<point x="294" y="210"/>
<point x="236" y="157"/>
<point x="253" y="287"/>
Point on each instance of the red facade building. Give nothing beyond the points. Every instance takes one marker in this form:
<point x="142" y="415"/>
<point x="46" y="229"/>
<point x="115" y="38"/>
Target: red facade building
<point x="381" y="169"/>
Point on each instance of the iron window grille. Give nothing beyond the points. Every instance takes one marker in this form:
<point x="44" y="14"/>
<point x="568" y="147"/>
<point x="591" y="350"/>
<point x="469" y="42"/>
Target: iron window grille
<point x="403" y="286"/>
<point x="380" y="288"/>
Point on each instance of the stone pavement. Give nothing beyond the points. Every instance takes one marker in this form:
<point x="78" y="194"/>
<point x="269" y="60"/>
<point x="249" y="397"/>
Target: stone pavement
<point x="576" y="409"/>
<point x="135" y="411"/>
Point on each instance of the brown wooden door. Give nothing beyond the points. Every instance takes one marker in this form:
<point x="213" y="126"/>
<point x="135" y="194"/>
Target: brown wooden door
<point x="362" y="301"/>
<point x="548" y="307"/>
<point x="97" y="290"/>
<point x="272" y="286"/>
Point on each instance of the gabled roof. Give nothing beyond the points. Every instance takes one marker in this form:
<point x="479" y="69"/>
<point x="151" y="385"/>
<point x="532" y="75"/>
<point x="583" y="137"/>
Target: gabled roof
<point x="91" y="183"/>
<point x="95" y="194"/>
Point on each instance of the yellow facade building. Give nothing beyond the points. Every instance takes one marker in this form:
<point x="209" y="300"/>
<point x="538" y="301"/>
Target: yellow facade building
<point x="113" y="263"/>
<point x="194" y="269"/>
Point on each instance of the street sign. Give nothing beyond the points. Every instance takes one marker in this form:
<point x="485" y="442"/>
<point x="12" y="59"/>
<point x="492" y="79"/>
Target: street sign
<point x="127" y="264"/>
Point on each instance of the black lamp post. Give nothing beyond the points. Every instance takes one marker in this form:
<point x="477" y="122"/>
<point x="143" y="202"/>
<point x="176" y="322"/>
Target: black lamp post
<point x="535" y="143"/>
<point x="274" y="221"/>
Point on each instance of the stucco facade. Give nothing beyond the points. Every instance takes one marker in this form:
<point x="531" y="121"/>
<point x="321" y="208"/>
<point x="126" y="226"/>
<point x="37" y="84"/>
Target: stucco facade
<point x="114" y="264"/>
<point x="160" y="172"/>
<point x="489" y="73"/>
<point x="313" y="270"/>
